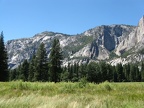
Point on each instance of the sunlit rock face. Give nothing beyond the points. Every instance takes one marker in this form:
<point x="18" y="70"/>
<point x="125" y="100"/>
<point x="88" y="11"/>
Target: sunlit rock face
<point x="95" y="44"/>
<point x="134" y="40"/>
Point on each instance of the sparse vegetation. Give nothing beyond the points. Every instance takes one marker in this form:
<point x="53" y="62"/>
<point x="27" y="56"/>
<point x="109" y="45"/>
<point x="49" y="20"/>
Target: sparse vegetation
<point x="112" y="55"/>
<point x="70" y="95"/>
<point x="77" y="45"/>
<point x="126" y="53"/>
<point x="141" y="51"/>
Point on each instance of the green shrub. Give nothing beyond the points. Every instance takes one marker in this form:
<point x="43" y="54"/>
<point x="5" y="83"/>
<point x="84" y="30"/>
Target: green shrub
<point x="106" y="86"/>
<point x="83" y="82"/>
<point x="20" y="85"/>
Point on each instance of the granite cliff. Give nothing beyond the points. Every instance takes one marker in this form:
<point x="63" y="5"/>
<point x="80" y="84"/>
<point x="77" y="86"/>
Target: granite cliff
<point x="112" y="43"/>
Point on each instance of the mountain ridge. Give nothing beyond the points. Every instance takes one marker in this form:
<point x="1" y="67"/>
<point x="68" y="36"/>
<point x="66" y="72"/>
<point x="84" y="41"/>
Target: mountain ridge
<point x="95" y="44"/>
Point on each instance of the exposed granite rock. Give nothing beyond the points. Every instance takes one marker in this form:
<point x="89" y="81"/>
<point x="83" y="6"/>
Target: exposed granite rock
<point x="93" y="45"/>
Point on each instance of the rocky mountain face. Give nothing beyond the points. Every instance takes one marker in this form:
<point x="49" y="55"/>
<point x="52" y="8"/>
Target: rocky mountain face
<point x="134" y="40"/>
<point x="114" y="44"/>
<point x="132" y="47"/>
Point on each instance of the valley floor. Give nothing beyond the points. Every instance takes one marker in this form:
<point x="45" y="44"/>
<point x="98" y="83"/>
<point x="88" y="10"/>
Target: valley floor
<point x="71" y="95"/>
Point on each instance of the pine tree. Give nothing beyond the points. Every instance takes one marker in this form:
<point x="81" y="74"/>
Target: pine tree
<point x="76" y="69"/>
<point x="64" y="74"/>
<point x="132" y="73"/>
<point x="93" y="72"/>
<point x="32" y="69"/>
<point x="18" y="70"/>
<point x="41" y="64"/>
<point x="3" y="60"/>
<point x="126" y="70"/>
<point x="103" y="70"/>
<point x="120" y="74"/>
<point x="12" y="75"/>
<point x="70" y="72"/>
<point x="55" y="61"/>
<point x="142" y="71"/>
<point x="82" y="70"/>
<point x="109" y="72"/>
<point x="115" y="74"/>
<point x="24" y="71"/>
<point x="138" y="75"/>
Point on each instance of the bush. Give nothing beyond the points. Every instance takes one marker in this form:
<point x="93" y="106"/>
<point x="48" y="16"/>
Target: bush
<point x="83" y="82"/>
<point x="106" y="86"/>
<point x="20" y="85"/>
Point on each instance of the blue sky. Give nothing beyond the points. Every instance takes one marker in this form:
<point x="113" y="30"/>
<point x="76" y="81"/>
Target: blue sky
<point x="25" y="18"/>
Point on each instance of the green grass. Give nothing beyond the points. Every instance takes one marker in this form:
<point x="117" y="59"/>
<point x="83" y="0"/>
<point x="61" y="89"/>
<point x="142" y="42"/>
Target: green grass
<point x="71" y="95"/>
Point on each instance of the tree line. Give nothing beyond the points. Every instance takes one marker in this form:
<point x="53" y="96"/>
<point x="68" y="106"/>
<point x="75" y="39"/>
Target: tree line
<point x="100" y="72"/>
<point x="93" y="72"/>
<point x="42" y="67"/>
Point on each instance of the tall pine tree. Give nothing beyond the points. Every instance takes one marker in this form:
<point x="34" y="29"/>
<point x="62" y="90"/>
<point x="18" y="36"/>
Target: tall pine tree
<point x="24" y="71"/>
<point x="41" y="64"/>
<point x="32" y="69"/>
<point x="142" y="71"/>
<point x="3" y="60"/>
<point x="93" y="72"/>
<point x="55" y="61"/>
<point x="120" y="74"/>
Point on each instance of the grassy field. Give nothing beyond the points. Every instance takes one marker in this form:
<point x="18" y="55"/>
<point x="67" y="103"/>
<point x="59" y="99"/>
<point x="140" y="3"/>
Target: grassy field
<point x="71" y="95"/>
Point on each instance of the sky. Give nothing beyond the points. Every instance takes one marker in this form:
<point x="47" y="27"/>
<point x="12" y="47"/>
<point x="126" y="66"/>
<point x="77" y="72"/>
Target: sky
<point x="25" y="18"/>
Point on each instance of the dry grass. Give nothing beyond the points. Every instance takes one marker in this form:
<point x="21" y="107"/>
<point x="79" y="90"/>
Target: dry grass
<point x="71" y="95"/>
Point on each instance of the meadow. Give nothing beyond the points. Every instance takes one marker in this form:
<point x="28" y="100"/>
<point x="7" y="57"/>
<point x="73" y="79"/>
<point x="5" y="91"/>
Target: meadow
<point x="20" y="94"/>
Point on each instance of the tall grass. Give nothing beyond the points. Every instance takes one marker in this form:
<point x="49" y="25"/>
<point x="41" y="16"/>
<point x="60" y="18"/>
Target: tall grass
<point x="71" y="95"/>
